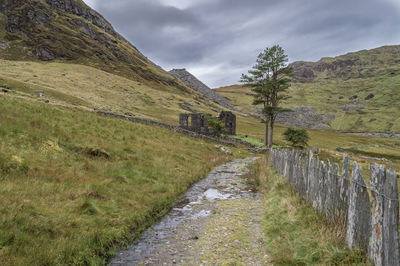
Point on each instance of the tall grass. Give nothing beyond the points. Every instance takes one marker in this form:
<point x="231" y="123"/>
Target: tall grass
<point x="294" y="233"/>
<point x="74" y="186"/>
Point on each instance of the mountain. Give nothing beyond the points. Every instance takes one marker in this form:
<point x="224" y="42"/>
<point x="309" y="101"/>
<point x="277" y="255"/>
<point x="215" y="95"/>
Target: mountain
<point x="200" y="87"/>
<point x="360" y="89"/>
<point x="70" y="31"/>
<point x="363" y="64"/>
<point x="64" y="53"/>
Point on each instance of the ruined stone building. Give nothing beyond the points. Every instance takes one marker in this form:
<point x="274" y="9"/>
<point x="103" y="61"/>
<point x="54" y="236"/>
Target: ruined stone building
<point x="229" y="120"/>
<point x="197" y="122"/>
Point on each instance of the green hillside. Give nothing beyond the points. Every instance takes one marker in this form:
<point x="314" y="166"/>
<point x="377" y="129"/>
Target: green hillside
<point x="74" y="184"/>
<point x="69" y="31"/>
<point x="361" y="89"/>
<point x="90" y="88"/>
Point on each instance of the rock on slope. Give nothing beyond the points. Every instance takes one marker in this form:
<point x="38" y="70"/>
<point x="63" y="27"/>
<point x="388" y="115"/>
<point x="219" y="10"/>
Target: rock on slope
<point x="199" y="86"/>
<point x="69" y="30"/>
<point x="303" y="117"/>
<point x="361" y="64"/>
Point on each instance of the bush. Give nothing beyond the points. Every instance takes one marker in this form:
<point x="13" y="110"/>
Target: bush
<point x="296" y="136"/>
<point x="216" y="125"/>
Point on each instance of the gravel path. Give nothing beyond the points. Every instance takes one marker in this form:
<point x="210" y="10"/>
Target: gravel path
<point x="217" y="222"/>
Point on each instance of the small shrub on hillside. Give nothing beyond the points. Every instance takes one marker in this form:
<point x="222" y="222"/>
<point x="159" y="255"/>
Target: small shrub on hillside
<point x="297" y="137"/>
<point x="215" y="125"/>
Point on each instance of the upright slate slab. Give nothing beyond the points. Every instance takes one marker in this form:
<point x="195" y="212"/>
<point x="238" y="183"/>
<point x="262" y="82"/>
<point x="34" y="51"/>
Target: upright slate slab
<point x="344" y="190"/>
<point x="311" y="180"/>
<point x="391" y="220"/>
<point x="294" y="167"/>
<point x="305" y="176"/>
<point x="286" y="170"/>
<point x="359" y="217"/>
<point x="321" y="187"/>
<point x="378" y="176"/>
<point x="316" y="183"/>
<point x="328" y="189"/>
<point x="290" y="165"/>
<point x="299" y="175"/>
<point x="284" y="162"/>
<point x="335" y="192"/>
<point x="306" y="165"/>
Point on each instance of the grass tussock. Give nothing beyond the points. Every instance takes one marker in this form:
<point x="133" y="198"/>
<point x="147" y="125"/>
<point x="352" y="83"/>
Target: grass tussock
<point x="75" y="186"/>
<point x="294" y="233"/>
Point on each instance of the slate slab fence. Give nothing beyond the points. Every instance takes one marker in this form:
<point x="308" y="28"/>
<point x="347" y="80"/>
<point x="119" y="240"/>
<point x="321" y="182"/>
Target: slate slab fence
<point x="372" y="224"/>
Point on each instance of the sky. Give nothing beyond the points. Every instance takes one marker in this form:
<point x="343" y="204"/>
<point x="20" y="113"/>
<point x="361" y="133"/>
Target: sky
<point x="218" y="40"/>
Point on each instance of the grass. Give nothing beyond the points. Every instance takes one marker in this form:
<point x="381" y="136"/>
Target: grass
<point x="249" y="140"/>
<point x="74" y="186"/>
<point x="294" y="233"/>
<point x="89" y="88"/>
<point x="329" y="140"/>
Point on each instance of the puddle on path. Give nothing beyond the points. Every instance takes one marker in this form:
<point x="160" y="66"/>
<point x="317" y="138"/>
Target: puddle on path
<point x="183" y="236"/>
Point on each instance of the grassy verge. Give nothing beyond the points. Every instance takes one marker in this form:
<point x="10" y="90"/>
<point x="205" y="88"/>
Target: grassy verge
<point x="249" y="140"/>
<point x="74" y="185"/>
<point x="294" y="233"/>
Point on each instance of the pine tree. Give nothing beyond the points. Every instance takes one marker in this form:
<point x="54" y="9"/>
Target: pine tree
<point x="269" y="79"/>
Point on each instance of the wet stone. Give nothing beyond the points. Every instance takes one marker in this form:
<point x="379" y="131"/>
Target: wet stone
<point x="219" y="210"/>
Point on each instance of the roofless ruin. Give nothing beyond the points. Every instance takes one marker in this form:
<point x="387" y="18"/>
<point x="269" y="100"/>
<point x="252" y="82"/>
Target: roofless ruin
<point x="197" y="122"/>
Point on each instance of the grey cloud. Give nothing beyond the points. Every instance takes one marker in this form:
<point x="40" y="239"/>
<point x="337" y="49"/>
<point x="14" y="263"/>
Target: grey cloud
<point x="220" y="39"/>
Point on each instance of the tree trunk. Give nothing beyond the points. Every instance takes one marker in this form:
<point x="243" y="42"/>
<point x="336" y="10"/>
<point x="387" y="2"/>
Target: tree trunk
<point x="266" y="133"/>
<point x="271" y="133"/>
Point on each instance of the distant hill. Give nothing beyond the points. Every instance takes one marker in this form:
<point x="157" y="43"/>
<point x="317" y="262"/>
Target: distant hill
<point x="362" y="90"/>
<point x="70" y="31"/>
<point x="200" y="87"/>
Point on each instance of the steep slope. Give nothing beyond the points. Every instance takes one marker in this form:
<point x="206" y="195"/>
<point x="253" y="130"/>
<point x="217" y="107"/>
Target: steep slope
<point x="93" y="89"/>
<point x="70" y="31"/>
<point x="362" y="90"/>
<point x="200" y="87"/>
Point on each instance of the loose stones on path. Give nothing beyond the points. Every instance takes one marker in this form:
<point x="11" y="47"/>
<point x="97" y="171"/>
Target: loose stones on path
<point x="217" y="223"/>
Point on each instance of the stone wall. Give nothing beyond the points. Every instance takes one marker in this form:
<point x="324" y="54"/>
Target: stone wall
<point x="229" y="120"/>
<point x="197" y="122"/>
<point x="222" y="139"/>
<point x="372" y="225"/>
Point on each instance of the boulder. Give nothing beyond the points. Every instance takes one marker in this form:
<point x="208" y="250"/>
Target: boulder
<point x="224" y="149"/>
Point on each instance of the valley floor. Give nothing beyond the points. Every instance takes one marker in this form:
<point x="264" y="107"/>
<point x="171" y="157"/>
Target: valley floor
<point x="76" y="186"/>
<point x="242" y="213"/>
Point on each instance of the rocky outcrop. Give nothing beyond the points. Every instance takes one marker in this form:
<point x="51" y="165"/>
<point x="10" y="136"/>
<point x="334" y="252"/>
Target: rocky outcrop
<point x="194" y="83"/>
<point x="302" y="117"/>
<point x="378" y="135"/>
<point x="303" y="71"/>
<point x="80" y="9"/>
<point x="360" y="64"/>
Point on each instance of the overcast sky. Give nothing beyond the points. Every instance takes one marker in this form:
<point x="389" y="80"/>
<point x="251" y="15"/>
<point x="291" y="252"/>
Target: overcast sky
<point x="217" y="40"/>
